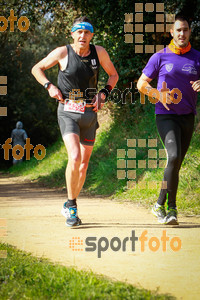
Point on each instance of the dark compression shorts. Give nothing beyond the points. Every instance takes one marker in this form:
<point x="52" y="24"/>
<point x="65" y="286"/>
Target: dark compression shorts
<point x="85" y="125"/>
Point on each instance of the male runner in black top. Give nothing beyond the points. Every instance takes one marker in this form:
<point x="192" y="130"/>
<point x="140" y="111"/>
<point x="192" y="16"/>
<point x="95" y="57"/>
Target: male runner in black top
<point x="78" y="74"/>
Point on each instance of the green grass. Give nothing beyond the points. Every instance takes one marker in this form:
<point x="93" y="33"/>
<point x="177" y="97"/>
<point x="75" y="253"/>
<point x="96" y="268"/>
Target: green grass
<point x="129" y="122"/>
<point x="23" y="276"/>
<point x="50" y="171"/>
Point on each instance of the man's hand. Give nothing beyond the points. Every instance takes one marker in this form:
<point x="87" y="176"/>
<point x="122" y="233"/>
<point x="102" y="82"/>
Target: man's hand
<point x="196" y="85"/>
<point x="54" y="92"/>
<point x="98" y="101"/>
<point x="165" y="99"/>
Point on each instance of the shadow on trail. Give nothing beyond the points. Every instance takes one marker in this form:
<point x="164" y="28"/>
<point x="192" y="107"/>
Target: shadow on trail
<point x="26" y="191"/>
<point x="188" y="225"/>
<point x="133" y="225"/>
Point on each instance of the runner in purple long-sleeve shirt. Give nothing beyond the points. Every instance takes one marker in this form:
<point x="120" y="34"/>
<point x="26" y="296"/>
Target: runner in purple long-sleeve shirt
<point x="176" y="67"/>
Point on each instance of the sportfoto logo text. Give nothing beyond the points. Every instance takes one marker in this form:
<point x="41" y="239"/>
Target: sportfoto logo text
<point x="23" y="22"/>
<point x="116" y="244"/>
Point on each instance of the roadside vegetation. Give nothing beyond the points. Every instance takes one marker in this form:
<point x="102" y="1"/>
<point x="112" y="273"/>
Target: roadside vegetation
<point x="23" y="276"/>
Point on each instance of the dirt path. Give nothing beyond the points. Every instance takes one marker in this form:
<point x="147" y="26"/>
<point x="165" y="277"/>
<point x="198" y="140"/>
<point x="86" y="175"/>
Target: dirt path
<point x="34" y="224"/>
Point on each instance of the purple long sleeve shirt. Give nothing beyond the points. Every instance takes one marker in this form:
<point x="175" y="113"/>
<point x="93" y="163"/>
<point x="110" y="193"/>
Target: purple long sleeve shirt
<point x="177" y="71"/>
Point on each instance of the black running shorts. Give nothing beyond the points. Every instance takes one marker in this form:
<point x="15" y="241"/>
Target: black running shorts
<point x="85" y="125"/>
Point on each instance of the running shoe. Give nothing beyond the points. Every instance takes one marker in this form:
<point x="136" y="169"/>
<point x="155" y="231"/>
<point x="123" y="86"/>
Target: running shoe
<point x="171" y="218"/>
<point x="71" y="215"/>
<point x="159" y="212"/>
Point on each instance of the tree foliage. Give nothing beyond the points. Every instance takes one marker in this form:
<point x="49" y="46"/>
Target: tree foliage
<point x="26" y="100"/>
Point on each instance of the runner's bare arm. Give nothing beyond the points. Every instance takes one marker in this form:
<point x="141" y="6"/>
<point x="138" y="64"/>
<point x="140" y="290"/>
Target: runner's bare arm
<point x="144" y="87"/>
<point x="48" y="62"/>
<point x="109" y="68"/>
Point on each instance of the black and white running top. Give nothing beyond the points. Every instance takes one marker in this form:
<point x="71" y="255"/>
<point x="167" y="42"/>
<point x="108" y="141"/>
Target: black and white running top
<point x="80" y="74"/>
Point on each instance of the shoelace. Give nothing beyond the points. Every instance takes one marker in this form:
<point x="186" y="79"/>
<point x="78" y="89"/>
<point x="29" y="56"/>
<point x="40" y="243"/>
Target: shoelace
<point x="173" y="212"/>
<point x="73" y="212"/>
<point x="162" y="209"/>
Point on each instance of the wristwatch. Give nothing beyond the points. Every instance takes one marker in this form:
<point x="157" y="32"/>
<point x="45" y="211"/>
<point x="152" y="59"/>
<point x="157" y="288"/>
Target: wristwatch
<point x="46" y="85"/>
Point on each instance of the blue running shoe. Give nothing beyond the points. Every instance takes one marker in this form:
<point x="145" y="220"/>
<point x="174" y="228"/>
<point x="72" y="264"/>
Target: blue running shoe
<point x="71" y="215"/>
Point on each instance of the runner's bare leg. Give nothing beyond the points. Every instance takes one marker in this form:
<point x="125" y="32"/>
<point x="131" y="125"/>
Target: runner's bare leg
<point x="86" y="152"/>
<point x="78" y="160"/>
<point x="72" y="144"/>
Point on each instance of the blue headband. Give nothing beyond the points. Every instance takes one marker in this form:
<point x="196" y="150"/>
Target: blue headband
<point x="83" y="25"/>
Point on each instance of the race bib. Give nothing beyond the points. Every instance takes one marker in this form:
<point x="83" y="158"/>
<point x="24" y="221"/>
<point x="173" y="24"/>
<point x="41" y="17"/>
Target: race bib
<point x="77" y="106"/>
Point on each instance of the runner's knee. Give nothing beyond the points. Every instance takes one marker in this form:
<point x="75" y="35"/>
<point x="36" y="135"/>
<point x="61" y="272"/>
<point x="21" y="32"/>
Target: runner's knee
<point x="75" y="159"/>
<point x="174" y="160"/>
<point x="83" y="167"/>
